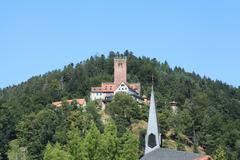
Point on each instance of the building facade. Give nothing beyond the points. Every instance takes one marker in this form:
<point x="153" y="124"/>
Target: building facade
<point x="106" y="91"/>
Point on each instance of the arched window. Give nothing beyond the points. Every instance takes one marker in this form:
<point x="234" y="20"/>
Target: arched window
<point x="152" y="140"/>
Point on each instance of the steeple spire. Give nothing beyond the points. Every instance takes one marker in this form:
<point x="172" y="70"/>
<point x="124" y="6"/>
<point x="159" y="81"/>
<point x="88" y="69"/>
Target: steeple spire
<point x="152" y="80"/>
<point x="152" y="137"/>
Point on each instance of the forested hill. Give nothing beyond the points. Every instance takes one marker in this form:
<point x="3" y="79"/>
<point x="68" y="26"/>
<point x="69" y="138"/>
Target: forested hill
<point x="209" y="111"/>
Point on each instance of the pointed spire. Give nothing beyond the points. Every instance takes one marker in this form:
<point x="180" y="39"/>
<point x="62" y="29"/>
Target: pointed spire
<point x="152" y="137"/>
<point x="152" y="81"/>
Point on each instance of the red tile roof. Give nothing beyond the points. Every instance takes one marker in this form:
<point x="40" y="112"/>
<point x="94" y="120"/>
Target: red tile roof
<point x="105" y="87"/>
<point x="204" y="158"/>
<point x="110" y="87"/>
<point x="81" y="102"/>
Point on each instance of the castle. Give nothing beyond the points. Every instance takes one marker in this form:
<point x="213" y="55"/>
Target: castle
<point x="107" y="90"/>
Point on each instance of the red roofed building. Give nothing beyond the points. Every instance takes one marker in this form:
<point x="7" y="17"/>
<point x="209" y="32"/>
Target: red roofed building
<point x="80" y="102"/>
<point x="107" y="90"/>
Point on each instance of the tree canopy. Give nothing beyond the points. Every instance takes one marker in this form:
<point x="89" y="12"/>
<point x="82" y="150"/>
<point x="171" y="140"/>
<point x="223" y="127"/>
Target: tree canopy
<point x="208" y="113"/>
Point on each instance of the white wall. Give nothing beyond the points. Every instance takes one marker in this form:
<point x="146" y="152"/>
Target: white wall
<point x="96" y="96"/>
<point x="122" y="88"/>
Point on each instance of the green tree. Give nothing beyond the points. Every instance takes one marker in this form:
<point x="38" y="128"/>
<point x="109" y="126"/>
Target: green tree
<point x="209" y="109"/>
<point x="124" y="110"/>
<point x="80" y="120"/>
<point x="9" y="114"/>
<point x="56" y="152"/>
<point x="108" y="148"/>
<point x="16" y="152"/>
<point x="129" y="147"/>
<point x="220" y="154"/>
<point x="75" y="144"/>
<point x="123" y="105"/>
<point x="91" y="143"/>
<point x="36" y="130"/>
<point x="62" y="127"/>
<point x="55" y="89"/>
<point x="93" y="109"/>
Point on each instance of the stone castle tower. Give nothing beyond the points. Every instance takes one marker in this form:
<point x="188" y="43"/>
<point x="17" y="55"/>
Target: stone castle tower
<point x="120" y="70"/>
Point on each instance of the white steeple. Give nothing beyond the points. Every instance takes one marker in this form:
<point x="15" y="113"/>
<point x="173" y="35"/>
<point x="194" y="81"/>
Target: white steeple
<point x="153" y="138"/>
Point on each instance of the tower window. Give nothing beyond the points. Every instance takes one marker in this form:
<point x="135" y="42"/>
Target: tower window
<point x="119" y="64"/>
<point x="152" y="140"/>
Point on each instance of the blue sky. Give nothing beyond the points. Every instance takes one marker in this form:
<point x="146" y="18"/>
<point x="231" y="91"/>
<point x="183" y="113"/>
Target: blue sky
<point x="42" y="35"/>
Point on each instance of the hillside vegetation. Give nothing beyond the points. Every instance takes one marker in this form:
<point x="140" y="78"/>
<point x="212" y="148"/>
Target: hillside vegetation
<point x="207" y="120"/>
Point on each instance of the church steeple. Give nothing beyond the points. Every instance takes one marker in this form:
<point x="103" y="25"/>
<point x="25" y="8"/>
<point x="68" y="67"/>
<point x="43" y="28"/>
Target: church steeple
<point x="153" y="137"/>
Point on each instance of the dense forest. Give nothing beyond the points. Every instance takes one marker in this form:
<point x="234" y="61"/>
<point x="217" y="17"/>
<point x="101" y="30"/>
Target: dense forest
<point x="207" y="119"/>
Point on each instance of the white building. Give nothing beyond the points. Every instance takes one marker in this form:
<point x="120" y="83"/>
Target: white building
<point x="107" y="90"/>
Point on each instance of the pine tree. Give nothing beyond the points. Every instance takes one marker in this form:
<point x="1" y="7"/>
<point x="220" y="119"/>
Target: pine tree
<point x="220" y="154"/>
<point x="55" y="152"/>
<point x="109" y="141"/>
<point x="129" y="147"/>
<point x="91" y="143"/>
<point x="75" y="144"/>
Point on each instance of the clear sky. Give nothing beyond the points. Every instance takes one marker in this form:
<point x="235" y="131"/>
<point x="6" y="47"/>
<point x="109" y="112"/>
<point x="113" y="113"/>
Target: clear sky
<point x="37" y="36"/>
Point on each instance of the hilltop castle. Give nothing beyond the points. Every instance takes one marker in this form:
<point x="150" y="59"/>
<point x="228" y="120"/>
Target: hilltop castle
<point x="107" y="90"/>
